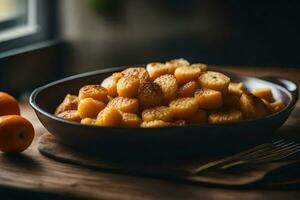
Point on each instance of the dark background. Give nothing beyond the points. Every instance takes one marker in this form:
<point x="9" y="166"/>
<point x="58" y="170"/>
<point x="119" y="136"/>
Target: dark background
<point x="94" y="34"/>
<point x="230" y="32"/>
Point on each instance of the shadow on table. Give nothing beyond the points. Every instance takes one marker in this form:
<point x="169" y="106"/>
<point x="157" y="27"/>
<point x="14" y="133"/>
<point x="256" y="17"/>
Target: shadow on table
<point x="22" y="162"/>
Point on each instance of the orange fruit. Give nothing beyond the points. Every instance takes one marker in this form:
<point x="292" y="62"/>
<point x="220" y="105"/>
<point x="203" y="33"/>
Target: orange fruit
<point x="16" y="133"/>
<point x="8" y="105"/>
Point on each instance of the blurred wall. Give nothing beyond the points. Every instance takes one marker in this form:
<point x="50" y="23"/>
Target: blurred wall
<point x="217" y="32"/>
<point x="143" y="31"/>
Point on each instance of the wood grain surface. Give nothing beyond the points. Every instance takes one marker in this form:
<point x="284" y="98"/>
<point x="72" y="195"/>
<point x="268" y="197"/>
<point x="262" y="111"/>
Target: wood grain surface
<point x="39" y="177"/>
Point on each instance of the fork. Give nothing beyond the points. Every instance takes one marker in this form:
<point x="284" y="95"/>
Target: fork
<point x="260" y="154"/>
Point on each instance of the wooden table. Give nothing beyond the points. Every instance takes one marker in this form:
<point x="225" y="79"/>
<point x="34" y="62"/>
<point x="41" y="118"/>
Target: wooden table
<point x="31" y="175"/>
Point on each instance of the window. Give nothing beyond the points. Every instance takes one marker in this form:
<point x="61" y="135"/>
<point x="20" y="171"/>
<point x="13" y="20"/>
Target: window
<point x="24" y="22"/>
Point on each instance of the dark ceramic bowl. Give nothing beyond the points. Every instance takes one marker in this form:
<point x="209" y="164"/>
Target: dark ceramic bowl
<point x="197" y="140"/>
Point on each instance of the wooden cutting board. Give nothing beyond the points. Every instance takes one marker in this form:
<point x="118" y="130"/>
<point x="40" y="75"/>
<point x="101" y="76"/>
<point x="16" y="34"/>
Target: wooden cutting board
<point x="51" y="148"/>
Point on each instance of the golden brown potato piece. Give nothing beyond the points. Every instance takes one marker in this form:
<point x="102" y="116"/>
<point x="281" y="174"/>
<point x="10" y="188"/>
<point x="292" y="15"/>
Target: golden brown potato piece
<point x="236" y="88"/>
<point x="225" y="116"/>
<point x="96" y="92"/>
<point x="71" y="115"/>
<point x="131" y="120"/>
<point x="275" y="106"/>
<point x="125" y="104"/>
<point x="186" y="74"/>
<point x="263" y="93"/>
<point x="110" y="85"/>
<point x="150" y="95"/>
<point x="215" y="81"/>
<point x="110" y="98"/>
<point x="209" y="99"/>
<point x="231" y="101"/>
<point x="139" y="72"/>
<point x="109" y="116"/>
<point x="168" y="86"/>
<point x="70" y="102"/>
<point x="88" y="121"/>
<point x="188" y="89"/>
<point x="156" y="124"/>
<point x="175" y="63"/>
<point x="116" y="76"/>
<point x="156" y="70"/>
<point x="180" y="122"/>
<point x="182" y="108"/>
<point x="161" y="113"/>
<point x="128" y="86"/>
<point x="252" y="106"/>
<point x="199" y="117"/>
<point x="90" y="107"/>
<point x="201" y="66"/>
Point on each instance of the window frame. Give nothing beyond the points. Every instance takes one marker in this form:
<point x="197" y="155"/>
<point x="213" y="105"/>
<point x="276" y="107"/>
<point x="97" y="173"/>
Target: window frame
<point x="42" y="25"/>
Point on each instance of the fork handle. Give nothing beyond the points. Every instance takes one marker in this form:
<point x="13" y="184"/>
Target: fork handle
<point x="233" y="164"/>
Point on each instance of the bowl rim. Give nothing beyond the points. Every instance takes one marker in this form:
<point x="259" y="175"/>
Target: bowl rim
<point x="32" y="99"/>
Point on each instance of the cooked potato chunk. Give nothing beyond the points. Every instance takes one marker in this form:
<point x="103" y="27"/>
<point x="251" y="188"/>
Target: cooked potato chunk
<point x="156" y="124"/>
<point x="188" y="89"/>
<point x="125" y="104"/>
<point x="131" y="120"/>
<point x="186" y="74"/>
<point x="128" y="86"/>
<point x="150" y="95"/>
<point x="231" y="101"/>
<point x="161" y="113"/>
<point x="156" y="70"/>
<point x="201" y="66"/>
<point x="208" y="99"/>
<point x="236" y="88"/>
<point x="139" y="72"/>
<point x="167" y="94"/>
<point x="225" y="115"/>
<point x="110" y="85"/>
<point x="109" y="116"/>
<point x="70" y="102"/>
<point x="116" y="76"/>
<point x="175" y="63"/>
<point x="168" y="86"/>
<point x="88" y="121"/>
<point x="71" y="115"/>
<point x="96" y="92"/>
<point x="263" y="93"/>
<point x="180" y="122"/>
<point x="182" y="108"/>
<point x="215" y="81"/>
<point x="199" y="117"/>
<point x="252" y="106"/>
<point x="275" y="106"/>
<point x="89" y="107"/>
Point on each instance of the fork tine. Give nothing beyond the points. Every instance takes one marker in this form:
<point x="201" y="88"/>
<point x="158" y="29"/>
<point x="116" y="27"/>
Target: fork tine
<point x="280" y="153"/>
<point x="232" y="158"/>
<point x="277" y="158"/>
<point x="288" y="147"/>
<point x="256" y="154"/>
<point x="278" y="141"/>
<point x="294" y="152"/>
<point x="260" y="153"/>
<point x="285" y="144"/>
<point x="232" y="164"/>
<point x="277" y="150"/>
